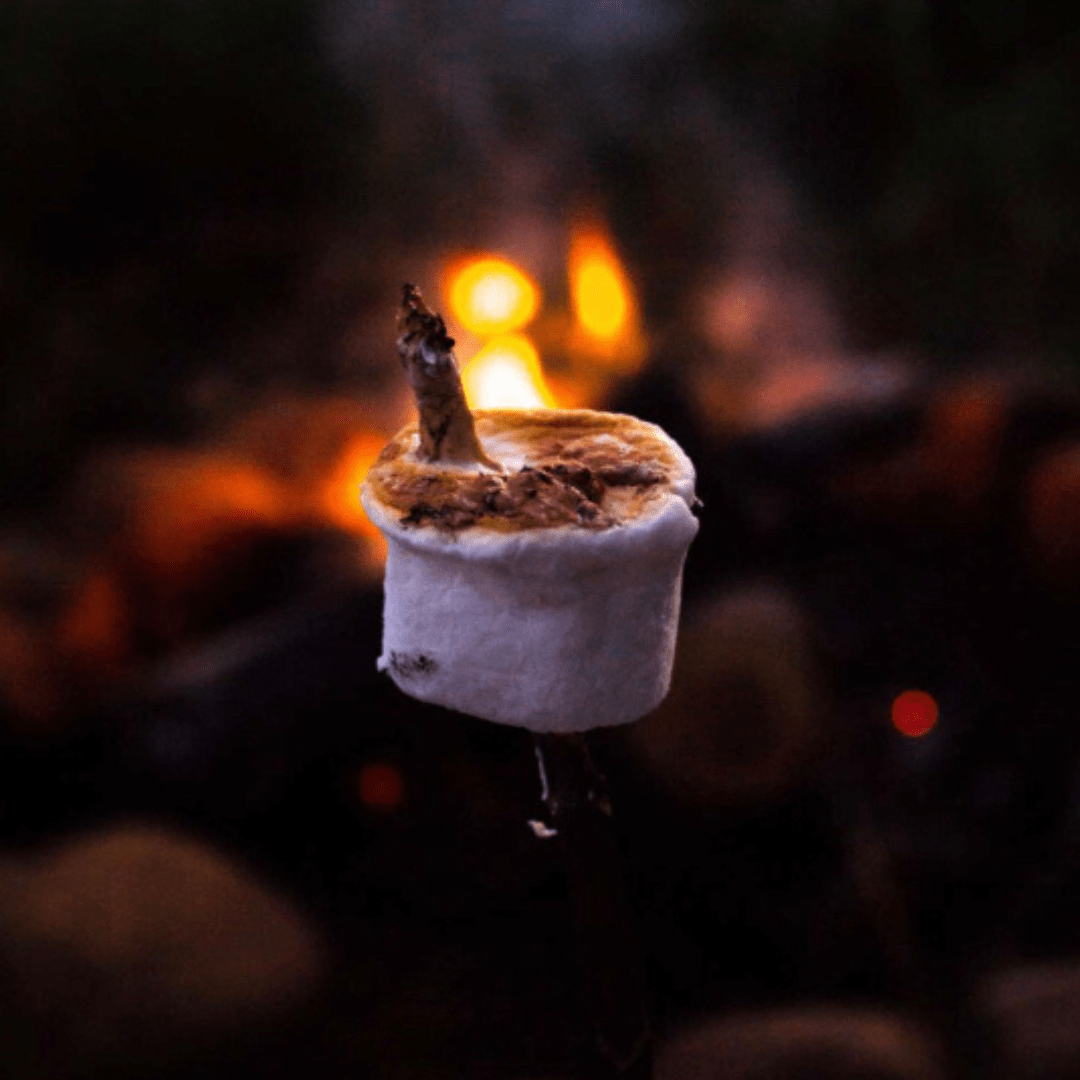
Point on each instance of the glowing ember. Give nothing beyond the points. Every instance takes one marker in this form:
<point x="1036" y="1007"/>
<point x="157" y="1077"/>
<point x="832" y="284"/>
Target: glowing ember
<point x="506" y="374"/>
<point x="914" y="713"/>
<point x="598" y="286"/>
<point x="1052" y="515"/>
<point x="492" y="296"/>
<point x="339" y="499"/>
<point x="93" y="631"/>
<point x="186" y="506"/>
<point x="381" y="786"/>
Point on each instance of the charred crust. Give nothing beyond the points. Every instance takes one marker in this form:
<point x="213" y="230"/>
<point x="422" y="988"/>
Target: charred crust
<point x="584" y="469"/>
<point x="419" y="513"/>
<point x="580" y="477"/>
<point x="543" y="494"/>
<point x="630" y="475"/>
<point x="406" y="666"/>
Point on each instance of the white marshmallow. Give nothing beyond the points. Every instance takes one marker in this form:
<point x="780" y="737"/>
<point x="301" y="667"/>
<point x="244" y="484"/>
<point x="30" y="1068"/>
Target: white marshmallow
<point x="552" y="628"/>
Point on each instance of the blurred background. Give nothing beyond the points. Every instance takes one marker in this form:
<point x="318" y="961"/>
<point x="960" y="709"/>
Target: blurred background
<point x="832" y="248"/>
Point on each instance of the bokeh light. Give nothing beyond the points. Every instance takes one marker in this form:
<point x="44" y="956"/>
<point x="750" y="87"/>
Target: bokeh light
<point x="381" y="786"/>
<point x="914" y="713"/>
<point x="599" y="288"/>
<point x="187" y="506"/>
<point x="93" y="631"/>
<point x="492" y="296"/>
<point x="339" y="498"/>
<point x="506" y="374"/>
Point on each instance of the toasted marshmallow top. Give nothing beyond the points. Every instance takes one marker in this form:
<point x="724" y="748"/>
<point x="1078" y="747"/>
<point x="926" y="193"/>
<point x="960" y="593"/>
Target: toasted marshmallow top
<point x="560" y="467"/>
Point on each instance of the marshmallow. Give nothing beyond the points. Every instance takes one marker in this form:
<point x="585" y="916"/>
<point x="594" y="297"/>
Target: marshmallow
<point x="546" y="595"/>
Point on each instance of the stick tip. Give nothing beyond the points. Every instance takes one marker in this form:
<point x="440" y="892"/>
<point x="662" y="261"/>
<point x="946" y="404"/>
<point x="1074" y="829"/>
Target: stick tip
<point x="416" y="319"/>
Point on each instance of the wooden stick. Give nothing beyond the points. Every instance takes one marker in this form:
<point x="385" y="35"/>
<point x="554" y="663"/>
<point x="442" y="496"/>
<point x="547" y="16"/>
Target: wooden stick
<point x="614" y="986"/>
<point x="447" y="432"/>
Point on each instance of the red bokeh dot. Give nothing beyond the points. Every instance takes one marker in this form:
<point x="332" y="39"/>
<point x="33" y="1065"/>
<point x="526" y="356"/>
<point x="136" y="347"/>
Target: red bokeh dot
<point x="914" y="713"/>
<point x="381" y="786"/>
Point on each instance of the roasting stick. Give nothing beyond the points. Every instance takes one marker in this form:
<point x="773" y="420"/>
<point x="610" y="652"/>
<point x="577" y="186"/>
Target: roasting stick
<point x="613" y="982"/>
<point x="447" y="432"/>
<point x="546" y="597"/>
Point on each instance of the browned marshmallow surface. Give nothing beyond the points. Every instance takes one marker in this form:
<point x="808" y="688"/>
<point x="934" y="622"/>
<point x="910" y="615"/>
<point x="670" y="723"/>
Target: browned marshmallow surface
<point x="560" y="467"/>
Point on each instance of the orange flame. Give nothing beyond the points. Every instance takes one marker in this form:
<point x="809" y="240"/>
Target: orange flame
<point x="506" y="374"/>
<point x="492" y="296"/>
<point x="185" y="504"/>
<point x="598" y="286"/>
<point x="339" y="498"/>
<point x="600" y="290"/>
<point x="607" y="339"/>
<point x="594" y="344"/>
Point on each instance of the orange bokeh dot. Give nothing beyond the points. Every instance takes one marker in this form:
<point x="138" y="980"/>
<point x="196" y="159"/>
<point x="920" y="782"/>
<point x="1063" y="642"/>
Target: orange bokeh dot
<point x="914" y="713"/>
<point x="381" y="786"/>
<point x="491" y="296"/>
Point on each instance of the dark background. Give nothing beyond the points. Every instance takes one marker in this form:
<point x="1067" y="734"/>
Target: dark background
<point x="206" y="212"/>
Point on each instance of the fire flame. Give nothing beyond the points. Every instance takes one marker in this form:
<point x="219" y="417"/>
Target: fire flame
<point x="492" y="296"/>
<point x="595" y="343"/>
<point x="339" y="498"/>
<point x="506" y="374"/>
<point x="607" y="341"/>
<point x="599" y="288"/>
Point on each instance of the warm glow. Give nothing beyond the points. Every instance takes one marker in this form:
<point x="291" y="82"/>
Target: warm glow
<point x="734" y="314"/>
<point x="381" y="786"/>
<point x="93" y="631"/>
<point x="914" y="713"/>
<point x="506" y="374"/>
<point x="340" y="499"/>
<point x="598" y="286"/>
<point x="188" y="505"/>
<point x="492" y="296"/>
